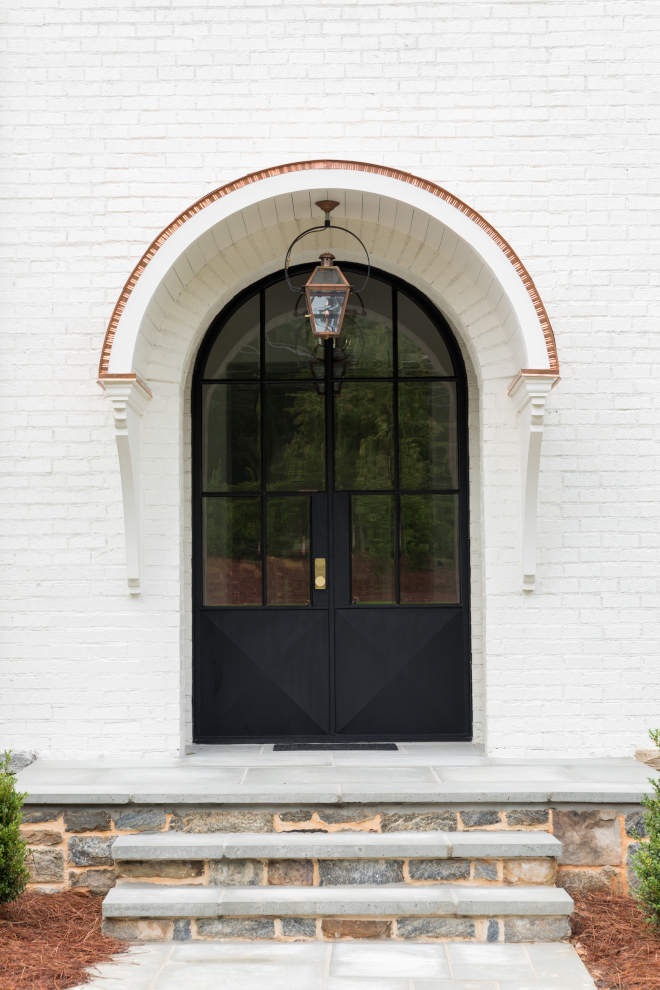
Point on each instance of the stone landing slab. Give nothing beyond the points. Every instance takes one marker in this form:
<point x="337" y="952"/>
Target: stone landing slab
<point x="426" y="773"/>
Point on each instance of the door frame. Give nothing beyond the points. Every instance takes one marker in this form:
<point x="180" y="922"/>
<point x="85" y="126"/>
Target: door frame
<point x="208" y="340"/>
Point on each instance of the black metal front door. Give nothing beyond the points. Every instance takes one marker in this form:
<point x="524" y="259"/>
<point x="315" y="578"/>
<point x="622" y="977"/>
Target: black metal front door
<point x="347" y="457"/>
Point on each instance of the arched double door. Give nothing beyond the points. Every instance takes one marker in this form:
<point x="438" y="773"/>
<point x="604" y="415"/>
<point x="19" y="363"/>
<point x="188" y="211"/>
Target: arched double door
<point x="344" y="460"/>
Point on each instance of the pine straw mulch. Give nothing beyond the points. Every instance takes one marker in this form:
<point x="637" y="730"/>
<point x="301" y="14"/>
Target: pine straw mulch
<point x="615" y="943"/>
<point x="48" y="940"/>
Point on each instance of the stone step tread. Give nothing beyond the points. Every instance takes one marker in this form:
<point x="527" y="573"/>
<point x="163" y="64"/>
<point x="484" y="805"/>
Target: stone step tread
<point x="338" y="845"/>
<point x="144" y="900"/>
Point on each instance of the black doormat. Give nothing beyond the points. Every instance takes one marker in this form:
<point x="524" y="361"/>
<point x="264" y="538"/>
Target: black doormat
<point x="290" y="747"/>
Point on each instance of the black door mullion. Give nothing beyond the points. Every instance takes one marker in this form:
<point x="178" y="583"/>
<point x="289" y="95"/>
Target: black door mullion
<point x="347" y="491"/>
<point x="262" y="433"/>
<point x="198" y="550"/>
<point x="329" y="375"/>
<point x="395" y="427"/>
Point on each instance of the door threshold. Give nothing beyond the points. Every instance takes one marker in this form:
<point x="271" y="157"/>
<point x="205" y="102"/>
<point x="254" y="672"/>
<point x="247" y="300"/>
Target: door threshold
<point x="307" y="747"/>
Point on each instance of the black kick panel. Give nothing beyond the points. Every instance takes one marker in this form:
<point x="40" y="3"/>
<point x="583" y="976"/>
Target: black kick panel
<point x="400" y="671"/>
<point x="265" y="674"/>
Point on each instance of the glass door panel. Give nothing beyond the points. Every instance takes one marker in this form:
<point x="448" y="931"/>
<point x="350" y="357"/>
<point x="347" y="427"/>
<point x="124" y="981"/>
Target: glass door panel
<point x="289" y="340"/>
<point x="364" y="437"/>
<point x="365" y="346"/>
<point x="422" y="351"/>
<point x="429" y="564"/>
<point x="372" y="550"/>
<point x="236" y="351"/>
<point x="232" y="551"/>
<point x="231" y="438"/>
<point x="428" y="455"/>
<point x="288" y="544"/>
<point x="295" y="438"/>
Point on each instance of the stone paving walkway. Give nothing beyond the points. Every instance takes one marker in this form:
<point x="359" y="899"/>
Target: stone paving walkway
<point x="344" y="966"/>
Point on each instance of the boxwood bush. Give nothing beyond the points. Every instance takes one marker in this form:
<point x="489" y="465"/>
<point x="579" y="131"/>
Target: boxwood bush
<point x="14" y="874"/>
<point x="646" y="861"/>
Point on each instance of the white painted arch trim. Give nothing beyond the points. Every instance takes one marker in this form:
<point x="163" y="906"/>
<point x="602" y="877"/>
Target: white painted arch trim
<point x="539" y="368"/>
<point x="124" y="344"/>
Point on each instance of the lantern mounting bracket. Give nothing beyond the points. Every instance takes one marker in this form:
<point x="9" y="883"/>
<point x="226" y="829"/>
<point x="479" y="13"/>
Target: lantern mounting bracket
<point x="327" y="205"/>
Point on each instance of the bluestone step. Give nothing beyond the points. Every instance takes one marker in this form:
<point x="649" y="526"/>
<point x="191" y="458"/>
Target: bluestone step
<point x="138" y="900"/>
<point x="361" y="845"/>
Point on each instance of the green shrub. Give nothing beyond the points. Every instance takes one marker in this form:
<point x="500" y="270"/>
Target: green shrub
<point x="646" y="862"/>
<point x="14" y="874"/>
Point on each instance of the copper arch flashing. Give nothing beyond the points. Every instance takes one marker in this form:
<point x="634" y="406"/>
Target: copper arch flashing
<point x="392" y="173"/>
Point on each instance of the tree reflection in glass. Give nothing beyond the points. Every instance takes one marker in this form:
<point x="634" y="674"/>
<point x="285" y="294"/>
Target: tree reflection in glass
<point x="365" y="343"/>
<point x="289" y="337"/>
<point x="231" y="448"/>
<point x="232" y="551"/>
<point x="364" y="441"/>
<point x="295" y="438"/>
<point x="235" y="353"/>
<point x="428" y="455"/>
<point x="429" y="567"/>
<point x="291" y="454"/>
<point x="372" y="549"/>
<point x="287" y="551"/>
<point x="422" y="351"/>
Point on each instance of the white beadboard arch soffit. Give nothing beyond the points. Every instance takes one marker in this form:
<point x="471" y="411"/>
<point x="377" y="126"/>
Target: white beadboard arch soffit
<point x="484" y="275"/>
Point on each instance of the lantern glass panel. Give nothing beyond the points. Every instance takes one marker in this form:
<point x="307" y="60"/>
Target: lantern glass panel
<point x="327" y="291"/>
<point x="325" y="276"/>
<point x="326" y="307"/>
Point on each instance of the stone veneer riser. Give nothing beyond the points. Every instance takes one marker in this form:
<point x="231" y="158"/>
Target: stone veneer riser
<point x="597" y="840"/>
<point x="295" y="929"/>
<point x="337" y="872"/>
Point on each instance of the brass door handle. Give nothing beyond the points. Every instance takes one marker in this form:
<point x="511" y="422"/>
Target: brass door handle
<point x="319" y="573"/>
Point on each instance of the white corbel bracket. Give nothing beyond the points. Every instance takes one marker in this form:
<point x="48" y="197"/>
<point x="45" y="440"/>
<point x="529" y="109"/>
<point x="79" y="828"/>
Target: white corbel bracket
<point x="529" y="390"/>
<point x="129" y="398"/>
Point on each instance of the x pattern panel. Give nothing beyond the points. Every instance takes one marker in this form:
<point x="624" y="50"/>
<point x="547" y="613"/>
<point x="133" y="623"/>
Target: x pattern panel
<point x="265" y="673"/>
<point x="405" y="668"/>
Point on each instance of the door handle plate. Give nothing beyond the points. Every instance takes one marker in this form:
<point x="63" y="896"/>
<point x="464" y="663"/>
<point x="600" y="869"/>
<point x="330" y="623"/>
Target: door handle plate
<point x="319" y="573"/>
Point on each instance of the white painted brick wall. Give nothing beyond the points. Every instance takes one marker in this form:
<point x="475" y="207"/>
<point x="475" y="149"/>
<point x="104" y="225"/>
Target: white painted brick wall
<point x="542" y="116"/>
